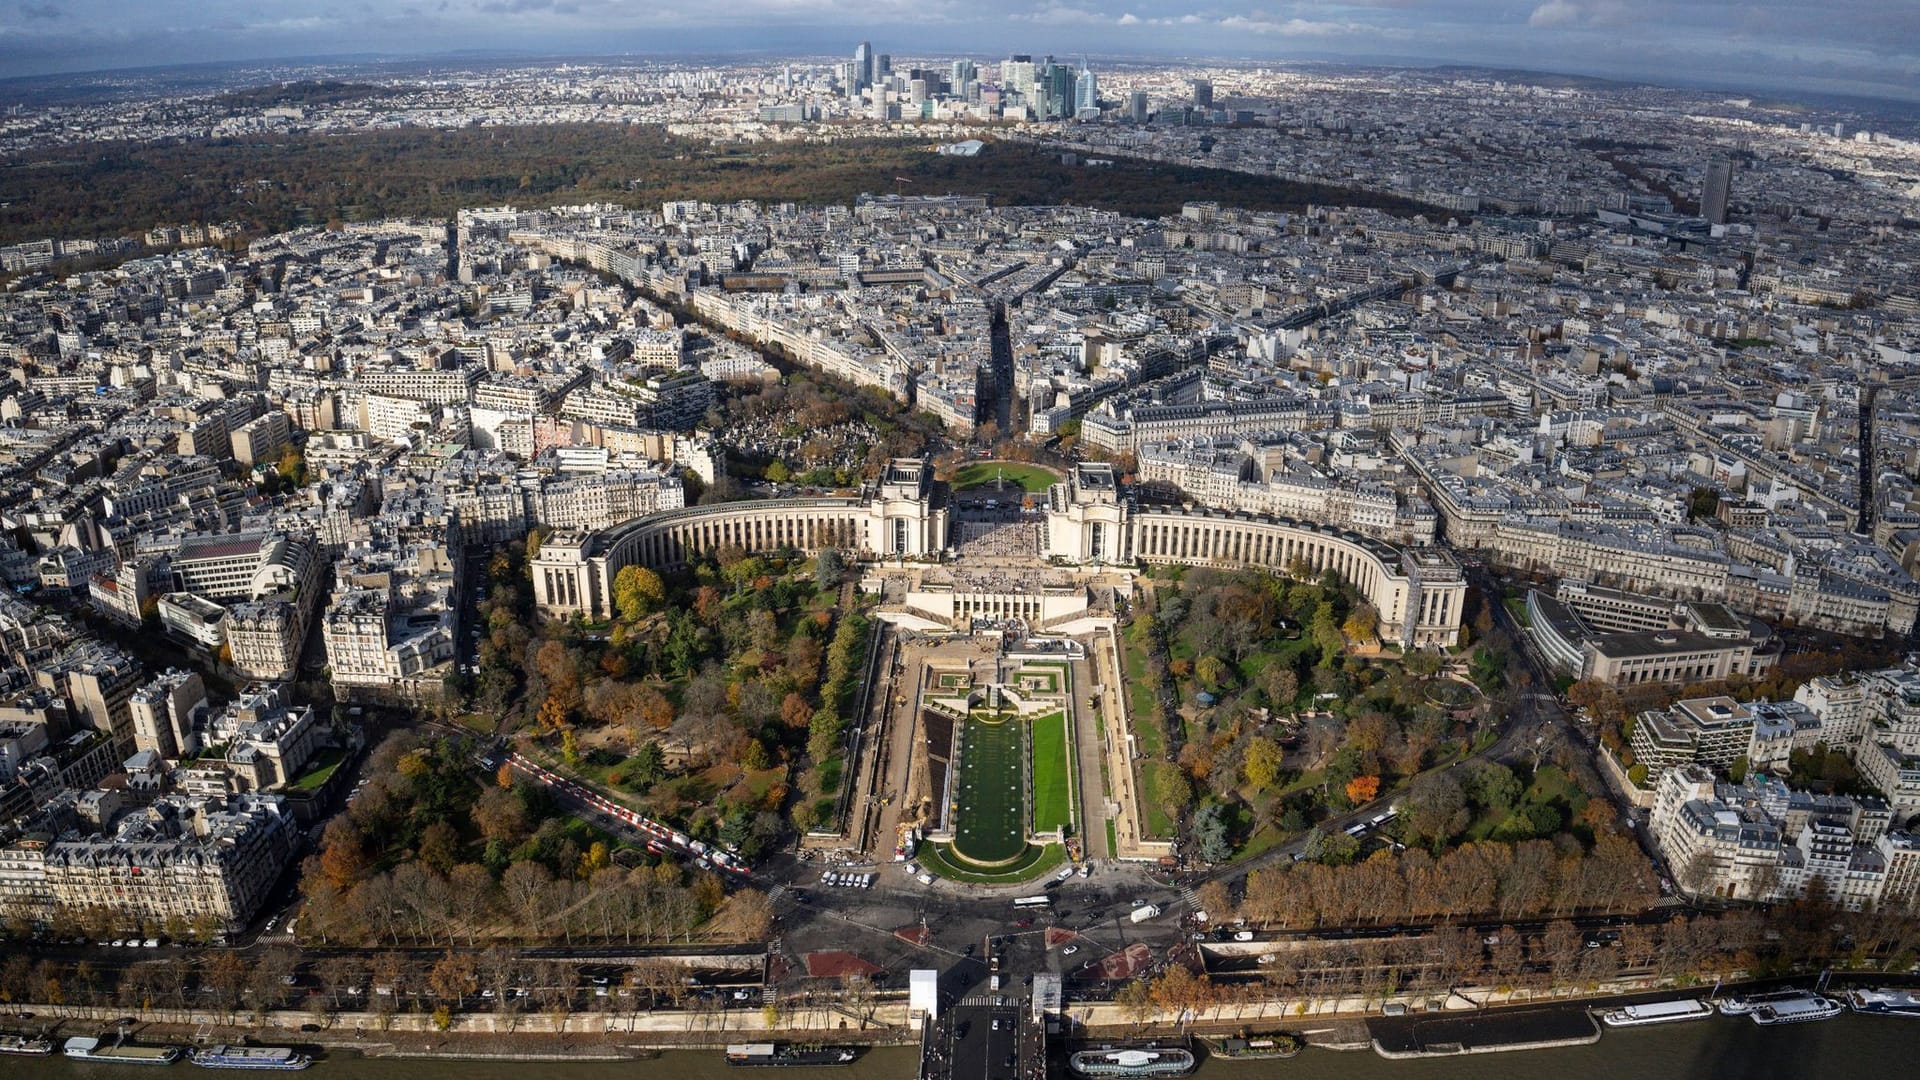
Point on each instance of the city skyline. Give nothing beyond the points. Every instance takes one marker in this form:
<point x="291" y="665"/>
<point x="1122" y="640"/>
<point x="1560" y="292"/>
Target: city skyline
<point x="1860" y="48"/>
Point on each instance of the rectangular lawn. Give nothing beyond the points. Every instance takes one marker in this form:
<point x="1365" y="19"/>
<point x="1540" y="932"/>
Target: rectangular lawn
<point x="1158" y="819"/>
<point x="988" y="828"/>
<point x="1052" y="789"/>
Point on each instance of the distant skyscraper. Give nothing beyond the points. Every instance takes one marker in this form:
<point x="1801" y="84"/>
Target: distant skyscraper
<point x="1137" y="106"/>
<point x="1717" y="189"/>
<point x="1016" y="74"/>
<point x="1058" y="91"/>
<point x="863" y="65"/>
<point x="882" y="66"/>
<point x="1086" y="89"/>
<point x="1202" y="94"/>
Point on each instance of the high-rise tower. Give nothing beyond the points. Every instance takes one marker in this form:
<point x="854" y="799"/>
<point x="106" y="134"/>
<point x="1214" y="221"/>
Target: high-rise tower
<point x="1716" y="190"/>
<point x="1086" y="89"/>
<point x="863" y="65"/>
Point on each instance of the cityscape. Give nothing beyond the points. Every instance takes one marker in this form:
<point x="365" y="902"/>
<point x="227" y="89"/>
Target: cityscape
<point x="1012" y="565"/>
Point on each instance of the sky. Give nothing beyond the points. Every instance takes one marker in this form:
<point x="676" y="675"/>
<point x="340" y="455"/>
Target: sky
<point x="1868" y="47"/>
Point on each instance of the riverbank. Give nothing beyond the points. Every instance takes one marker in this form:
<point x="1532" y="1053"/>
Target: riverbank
<point x="530" y="1036"/>
<point x="1449" y="1024"/>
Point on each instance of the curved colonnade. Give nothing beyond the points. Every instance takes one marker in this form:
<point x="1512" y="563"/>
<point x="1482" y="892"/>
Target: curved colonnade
<point x="574" y="570"/>
<point x="1419" y="593"/>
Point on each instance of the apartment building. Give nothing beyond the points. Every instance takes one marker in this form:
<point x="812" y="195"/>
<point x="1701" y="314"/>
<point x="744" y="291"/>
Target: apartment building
<point x="183" y="858"/>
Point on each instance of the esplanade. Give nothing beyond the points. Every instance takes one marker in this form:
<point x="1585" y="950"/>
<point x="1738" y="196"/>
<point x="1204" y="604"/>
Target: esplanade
<point x="1419" y="593"/>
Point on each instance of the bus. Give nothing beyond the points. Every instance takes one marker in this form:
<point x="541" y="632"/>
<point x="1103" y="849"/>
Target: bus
<point x="1033" y="901"/>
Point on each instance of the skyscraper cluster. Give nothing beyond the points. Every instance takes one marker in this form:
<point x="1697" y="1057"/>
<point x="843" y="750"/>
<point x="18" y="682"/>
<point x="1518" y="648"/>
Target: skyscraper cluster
<point x="1044" y="89"/>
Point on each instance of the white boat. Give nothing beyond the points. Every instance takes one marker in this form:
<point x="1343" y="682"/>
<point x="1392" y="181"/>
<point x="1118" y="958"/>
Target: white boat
<point x="1657" y="1012"/>
<point x="1742" y="1004"/>
<point x="1885" y="1001"/>
<point x="282" y="1058"/>
<point x="25" y="1044"/>
<point x="1147" y="1062"/>
<point x="1798" y="1010"/>
<point x="86" y="1048"/>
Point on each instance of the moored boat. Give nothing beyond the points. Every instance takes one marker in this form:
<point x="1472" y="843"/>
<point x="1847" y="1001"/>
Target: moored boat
<point x="1657" y="1012"/>
<point x="1743" y="1004"/>
<point x="1798" y="1010"/>
<point x="282" y="1058"/>
<point x="1884" y="1001"/>
<point x="1252" y="1047"/>
<point x="22" y="1044"/>
<point x="776" y="1054"/>
<point x="87" y="1048"/>
<point x="1133" y="1061"/>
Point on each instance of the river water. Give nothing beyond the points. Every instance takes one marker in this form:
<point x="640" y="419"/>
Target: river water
<point x="1848" y="1048"/>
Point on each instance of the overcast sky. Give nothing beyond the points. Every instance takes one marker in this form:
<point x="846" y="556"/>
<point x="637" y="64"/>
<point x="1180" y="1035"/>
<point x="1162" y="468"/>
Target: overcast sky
<point x="1847" y="46"/>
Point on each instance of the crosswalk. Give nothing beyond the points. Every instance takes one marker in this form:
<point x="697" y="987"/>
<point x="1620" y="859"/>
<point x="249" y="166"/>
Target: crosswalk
<point x="778" y="890"/>
<point x="1189" y="897"/>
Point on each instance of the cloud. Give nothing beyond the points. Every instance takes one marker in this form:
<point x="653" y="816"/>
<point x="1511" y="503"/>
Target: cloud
<point x="1291" y="27"/>
<point x="1129" y="19"/>
<point x="1058" y="14"/>
<point x="1554" y="13"/>
<point x="302" y="25"/>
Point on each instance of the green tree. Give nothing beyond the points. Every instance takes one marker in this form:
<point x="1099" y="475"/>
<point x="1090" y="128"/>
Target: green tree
<point x="1492" y="785"/>
<point x="1210" y="833"/>
<point x="1703" y="503"/>
<point x="647" y="765"/>
<point x="1325" y="631"/>
<point x="778" y="473"/>
<point x="829" y="567"/>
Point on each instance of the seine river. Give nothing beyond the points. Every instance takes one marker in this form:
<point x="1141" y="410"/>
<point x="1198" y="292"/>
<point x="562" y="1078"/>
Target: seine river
<point x="1849" y="1048"/>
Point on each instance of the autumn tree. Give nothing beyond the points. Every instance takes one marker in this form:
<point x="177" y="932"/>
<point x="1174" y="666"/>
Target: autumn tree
<point x="652" y="710"/>
<point x="1279" y="683"/>
<point x="1363" y="789"/>
<point x="1261" y="762"/>
<point x="1362" y="623"/>
<point x="1215" y="901"/>
<point x="636" y="592"/>
<point x="343" y="855"/>
<point x="1136" y="1001"/>
<point x="452" y="977"/>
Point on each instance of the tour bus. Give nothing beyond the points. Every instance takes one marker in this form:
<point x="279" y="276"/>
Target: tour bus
<point x="1033" y="901"/>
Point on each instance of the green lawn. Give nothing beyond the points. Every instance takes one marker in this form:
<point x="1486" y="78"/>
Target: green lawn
<point x="322" y="768"/>
<point x="1159" y="821"/>
<point x="1052" y="785"/>
<point x="1036" y="861"/>
<point x="1113" y="839"/>
<point x="1025" y="477"/>
<point x="1140" y="696"/>
<point x="988" y="827"/>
